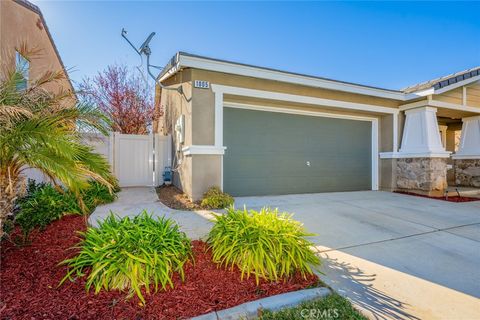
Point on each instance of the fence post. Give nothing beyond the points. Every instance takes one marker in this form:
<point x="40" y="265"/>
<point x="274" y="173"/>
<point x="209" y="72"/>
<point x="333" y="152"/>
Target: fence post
<point x="111" y="151"/>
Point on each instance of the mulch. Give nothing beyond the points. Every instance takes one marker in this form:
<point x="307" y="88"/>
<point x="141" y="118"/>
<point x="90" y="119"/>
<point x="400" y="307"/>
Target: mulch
<point x="174" y="198"/>
<point x="29" y="277"/>
<point x="449" y="198"/>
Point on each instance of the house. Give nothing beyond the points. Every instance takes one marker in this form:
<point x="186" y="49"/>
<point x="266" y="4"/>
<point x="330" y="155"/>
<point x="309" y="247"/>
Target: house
<point x="258" y="131"/>
<point x="22" y="24"/>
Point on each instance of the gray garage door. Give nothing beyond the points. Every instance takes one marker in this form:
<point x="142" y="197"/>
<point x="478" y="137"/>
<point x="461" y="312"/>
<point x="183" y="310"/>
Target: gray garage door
<point x="272" y="153"/>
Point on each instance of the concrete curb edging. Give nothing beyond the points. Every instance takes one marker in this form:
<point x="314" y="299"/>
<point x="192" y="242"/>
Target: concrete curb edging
<point x="249" y="310"/>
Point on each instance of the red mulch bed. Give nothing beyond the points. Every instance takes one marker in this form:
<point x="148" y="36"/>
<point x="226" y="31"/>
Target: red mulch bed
<point x="449" y="198"/>
<point x="29" y="277"/>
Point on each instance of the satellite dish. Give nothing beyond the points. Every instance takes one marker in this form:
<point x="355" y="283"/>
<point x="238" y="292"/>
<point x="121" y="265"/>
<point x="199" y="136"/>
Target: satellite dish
<point x="144" y="48"/>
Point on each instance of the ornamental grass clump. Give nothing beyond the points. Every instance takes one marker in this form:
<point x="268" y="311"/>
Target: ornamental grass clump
<point x="215" y="198"/>
<point x="265" y="243"/>
<point x="128" y="254"/>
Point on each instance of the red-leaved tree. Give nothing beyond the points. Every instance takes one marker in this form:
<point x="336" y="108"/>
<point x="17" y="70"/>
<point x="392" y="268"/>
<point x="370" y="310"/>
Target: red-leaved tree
<point x="124" y="96"/>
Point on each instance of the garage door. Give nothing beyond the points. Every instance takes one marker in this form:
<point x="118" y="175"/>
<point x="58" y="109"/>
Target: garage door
<point x="270" y="153"/>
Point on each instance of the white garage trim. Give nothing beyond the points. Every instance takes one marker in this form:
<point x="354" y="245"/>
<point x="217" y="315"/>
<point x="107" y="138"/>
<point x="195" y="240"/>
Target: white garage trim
<point x="220" y="90"/>
<point x="295" y="111"/>
<point x="373" y="120"/>
<point x="203" y="149"/>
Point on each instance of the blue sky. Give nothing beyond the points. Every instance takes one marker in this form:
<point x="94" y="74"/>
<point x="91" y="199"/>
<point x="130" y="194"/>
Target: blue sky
<point x="385" y="44"/>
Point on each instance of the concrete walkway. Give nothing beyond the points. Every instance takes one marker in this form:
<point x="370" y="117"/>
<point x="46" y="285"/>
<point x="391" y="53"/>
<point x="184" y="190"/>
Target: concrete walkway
<point x="394" y="256"/>
<point x="132" y="201"/>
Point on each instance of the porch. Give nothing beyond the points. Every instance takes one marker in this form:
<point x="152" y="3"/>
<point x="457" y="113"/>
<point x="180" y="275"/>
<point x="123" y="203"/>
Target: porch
<point x="440" y="139"/>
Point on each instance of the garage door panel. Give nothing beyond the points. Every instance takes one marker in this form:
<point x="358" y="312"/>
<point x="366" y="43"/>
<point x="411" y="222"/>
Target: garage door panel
<point x="277" y="153"/>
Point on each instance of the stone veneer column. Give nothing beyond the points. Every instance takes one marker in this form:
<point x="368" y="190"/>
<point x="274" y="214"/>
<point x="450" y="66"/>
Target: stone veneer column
<point x="422" y="160"/>
<point x="467" y="159"/>
<point x="422" y="174"/>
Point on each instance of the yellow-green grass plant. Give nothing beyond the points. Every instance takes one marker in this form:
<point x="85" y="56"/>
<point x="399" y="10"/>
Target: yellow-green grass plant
<point x="131" y="253"/>
<point x="215" y="198"/>
<point x="266" y="243"/>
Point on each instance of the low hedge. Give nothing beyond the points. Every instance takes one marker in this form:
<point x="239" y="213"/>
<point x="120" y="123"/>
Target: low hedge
<point x="43" y="203"/>
<point x="131" y="254"/>
<point x="215" y="198"/>
<point x="266" y="243"/>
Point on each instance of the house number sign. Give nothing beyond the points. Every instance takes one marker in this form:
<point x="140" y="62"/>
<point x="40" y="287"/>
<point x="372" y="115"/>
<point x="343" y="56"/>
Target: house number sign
<point x="201" y="84"/>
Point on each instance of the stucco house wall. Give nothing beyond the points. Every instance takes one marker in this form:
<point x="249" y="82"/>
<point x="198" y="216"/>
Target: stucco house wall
<point x="21" y="23"/>
<point x="197" y="173"/>
<point x="412" y="128"/>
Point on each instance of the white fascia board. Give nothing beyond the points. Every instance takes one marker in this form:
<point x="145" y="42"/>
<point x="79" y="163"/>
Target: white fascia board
<point x="203" y="149"/>
<point x="425" y="92"/>
<point x="271" y="95"/>
<point x="432" y="90"/>
<point x="250" y="71"/>
<point x="457" y="85"/>
<point x="261" y="73"/>
<point x="453" y="106"/>
<point x="438" y="104"/>
<point x="169" y="73"/>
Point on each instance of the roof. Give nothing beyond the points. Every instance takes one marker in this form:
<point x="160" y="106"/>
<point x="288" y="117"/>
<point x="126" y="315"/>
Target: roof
<point x="36" y="9"/>
<point x="272" y="69"/>
<point x="444" y="81"/>
<point x="187" y="60"/>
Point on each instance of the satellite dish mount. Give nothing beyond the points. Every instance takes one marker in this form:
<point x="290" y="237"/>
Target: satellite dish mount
<point x="144" y="49"/>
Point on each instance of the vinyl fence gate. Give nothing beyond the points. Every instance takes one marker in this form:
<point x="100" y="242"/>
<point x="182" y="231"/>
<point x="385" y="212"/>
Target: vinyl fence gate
<point x="136" y="160"/>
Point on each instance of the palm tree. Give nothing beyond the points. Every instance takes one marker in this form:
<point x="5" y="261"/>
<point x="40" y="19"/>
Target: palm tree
<point x="39" y="129"/>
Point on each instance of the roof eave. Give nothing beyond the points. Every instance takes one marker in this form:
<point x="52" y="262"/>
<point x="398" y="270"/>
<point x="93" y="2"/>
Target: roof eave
<point x="182" y="60"/>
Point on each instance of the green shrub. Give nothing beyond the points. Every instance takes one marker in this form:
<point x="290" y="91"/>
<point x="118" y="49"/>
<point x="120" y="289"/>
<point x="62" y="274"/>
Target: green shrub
<point x="268" y="244"/>
<point x="214" y="198"/>
<point x="131" y="254"/>
<point x="97" y="194"/>
<point x="42" y="205"/>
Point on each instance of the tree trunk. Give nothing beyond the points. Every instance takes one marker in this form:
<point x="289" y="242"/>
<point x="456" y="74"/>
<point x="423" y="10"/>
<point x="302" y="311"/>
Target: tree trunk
<point x="11" y="187"/>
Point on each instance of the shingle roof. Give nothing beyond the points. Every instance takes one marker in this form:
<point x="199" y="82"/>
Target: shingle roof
<point x="444" y="81"/>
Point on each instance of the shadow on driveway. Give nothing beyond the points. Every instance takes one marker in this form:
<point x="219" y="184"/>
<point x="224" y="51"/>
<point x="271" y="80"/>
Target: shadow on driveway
<point x="362" y="293"/>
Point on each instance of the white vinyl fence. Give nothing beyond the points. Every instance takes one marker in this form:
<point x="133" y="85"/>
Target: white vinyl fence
<point x="136" y="160"/>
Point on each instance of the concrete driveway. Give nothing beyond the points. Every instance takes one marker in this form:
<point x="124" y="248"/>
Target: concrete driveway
<point x="395" y="256"/>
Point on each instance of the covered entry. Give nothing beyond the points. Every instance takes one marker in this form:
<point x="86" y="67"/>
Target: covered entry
<point x="272" y="153"/>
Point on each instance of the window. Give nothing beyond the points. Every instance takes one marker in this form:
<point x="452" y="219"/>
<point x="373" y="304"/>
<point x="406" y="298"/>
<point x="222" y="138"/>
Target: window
<point x="22" y="67"/>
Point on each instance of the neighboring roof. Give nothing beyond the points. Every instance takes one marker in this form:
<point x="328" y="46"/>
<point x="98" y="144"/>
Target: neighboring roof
<point x="36" y="9"/>
<point x="445" y="81"/>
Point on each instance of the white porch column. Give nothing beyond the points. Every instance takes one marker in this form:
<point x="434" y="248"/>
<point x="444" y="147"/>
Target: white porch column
<point x="422" y="160"/>
<point x="421" y="135"/>
<point x="467" y="159"/>
<point x="470" y="140"/>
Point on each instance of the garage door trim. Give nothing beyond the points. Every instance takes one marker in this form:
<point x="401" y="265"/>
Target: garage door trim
<point x="373" y="120"/>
